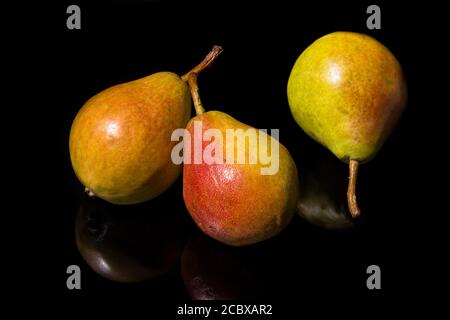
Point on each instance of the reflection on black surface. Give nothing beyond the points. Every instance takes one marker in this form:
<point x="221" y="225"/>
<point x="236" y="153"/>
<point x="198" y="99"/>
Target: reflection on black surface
<point x="214" y="271"/>
<point x="323" y="198"/>
<point x="129" y="243"/>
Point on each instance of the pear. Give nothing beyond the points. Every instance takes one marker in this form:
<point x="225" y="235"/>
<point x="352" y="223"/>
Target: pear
<point x="347" y="92"/>
<point x="234" y="202"/>
<point x="120" y="141"/>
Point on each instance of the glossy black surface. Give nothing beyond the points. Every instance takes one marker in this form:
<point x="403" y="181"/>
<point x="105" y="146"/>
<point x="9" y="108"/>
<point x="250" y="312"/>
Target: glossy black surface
<point x="129" y="244"/>
<point x="121" y="42"/>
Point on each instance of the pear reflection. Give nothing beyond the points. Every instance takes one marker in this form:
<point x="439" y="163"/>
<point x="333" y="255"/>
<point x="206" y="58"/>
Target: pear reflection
<point x="323" y="199"/>
<point x="130" y="243"/>
<point x="214" y="271"/>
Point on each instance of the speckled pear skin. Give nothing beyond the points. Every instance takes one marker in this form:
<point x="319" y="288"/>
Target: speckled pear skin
<point x="234" y="203"/>
<point x="120" y="144"/>
<point x="347" y="91"/>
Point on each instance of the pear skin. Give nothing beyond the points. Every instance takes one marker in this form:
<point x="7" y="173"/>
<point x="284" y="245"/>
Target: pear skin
<point x="347" y="92"/>
<point x="234" y="203"/>
<point x="120" y="144"/>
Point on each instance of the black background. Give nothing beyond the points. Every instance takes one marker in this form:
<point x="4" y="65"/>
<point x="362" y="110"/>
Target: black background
<point x="121" y="41"/>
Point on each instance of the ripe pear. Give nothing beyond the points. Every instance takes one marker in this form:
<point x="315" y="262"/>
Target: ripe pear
<point x="233" y="202"/>
<point x="120" y="141"/>
<point x="347" y="91"/>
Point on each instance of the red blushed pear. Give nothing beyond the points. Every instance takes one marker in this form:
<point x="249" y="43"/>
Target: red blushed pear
<point x="120" y="140"/>
<point x="347" y="91"/>
<point x="233" y="203"/>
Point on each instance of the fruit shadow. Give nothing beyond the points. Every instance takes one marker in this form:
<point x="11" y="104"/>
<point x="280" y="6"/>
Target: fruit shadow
<point x="135" y="243"/>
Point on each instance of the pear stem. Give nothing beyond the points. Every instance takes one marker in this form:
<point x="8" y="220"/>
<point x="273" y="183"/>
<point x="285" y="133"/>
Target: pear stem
<point x="191" y="77"/>
<point x="351" y="191"/>
<point x="193" y="86"/>
<point x="210" y="57"/>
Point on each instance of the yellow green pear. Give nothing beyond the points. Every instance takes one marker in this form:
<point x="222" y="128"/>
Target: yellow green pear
<point x="347" y="91"/>
<point x="120" y="141"/>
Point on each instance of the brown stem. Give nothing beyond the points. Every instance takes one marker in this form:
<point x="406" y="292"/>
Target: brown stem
<point x="210" y="57"/>
<point x="193" y="86"/>
<point x="351" y="191"/>
<point x="191" y="77"/>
